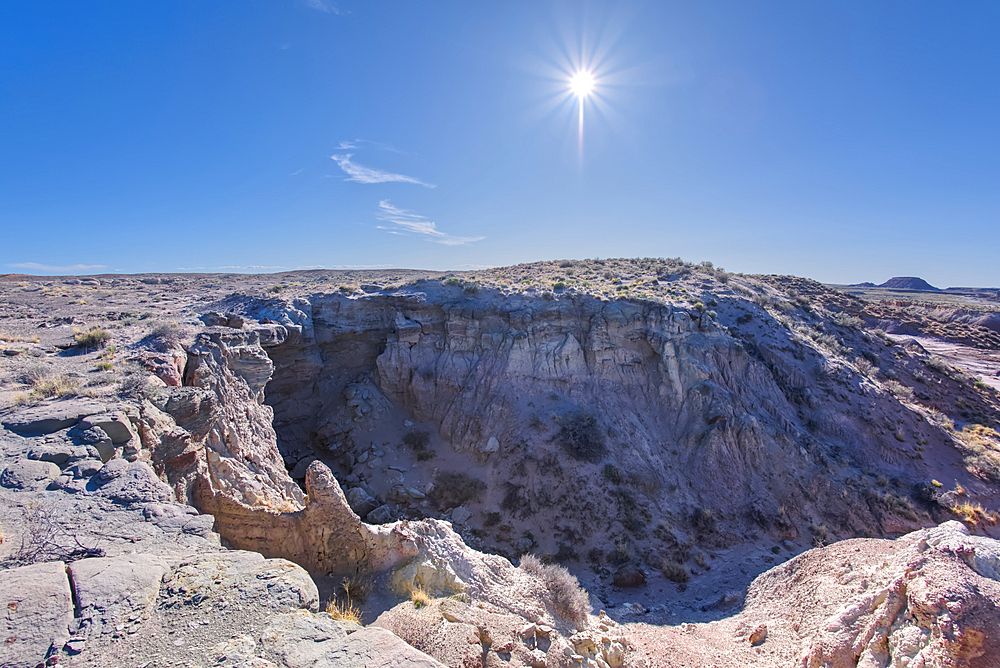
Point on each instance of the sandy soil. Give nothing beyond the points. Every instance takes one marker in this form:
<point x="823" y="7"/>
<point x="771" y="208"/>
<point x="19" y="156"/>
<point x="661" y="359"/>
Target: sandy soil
<point x="984" y="363"/>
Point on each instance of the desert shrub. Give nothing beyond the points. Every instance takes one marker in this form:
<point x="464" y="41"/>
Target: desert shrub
<point x="703" y="519"/>
<point x="983" y="456"/>
<point x="95" y="337"/>
<point x="471" y="288"/>
<point x="45" y="538"/>
<point x="898" y="390"/>
<point x="418" y="441"/>
<point x="45" y="383"/>
<point x="566" y="552"/>
<point x="675" y="572"/>
<point x="613" y="474"/>
<point x="492" y="519"/>
<point x="452" y="489"/>
<point x="566" y="597"/>
<point x="938" y="364"/>
<point x="164" y="335"/>
<point x="863" y="366"/>
<point x="581" y="436"/>
<point x="847" y="320"/>
<point x="452" y="281"/>
<point x="558" y="285"/>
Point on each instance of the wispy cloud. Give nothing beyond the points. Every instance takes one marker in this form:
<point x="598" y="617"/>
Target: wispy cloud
<point x="361" y="174"/>
<point x="34" y="266"/>
<point x="365" y="143"/>
<point x="297" y="172"/>
<point x="404" y="221"/>
<point x="322" y="6"/>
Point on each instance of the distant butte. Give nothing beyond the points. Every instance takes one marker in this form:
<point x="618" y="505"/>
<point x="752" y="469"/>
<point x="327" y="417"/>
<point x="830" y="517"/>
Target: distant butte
<point x="908" y="283"/>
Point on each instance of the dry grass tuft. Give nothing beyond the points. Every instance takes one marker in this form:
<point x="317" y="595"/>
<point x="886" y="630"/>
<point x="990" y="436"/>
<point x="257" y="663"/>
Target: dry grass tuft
<point x="983" y="456"/>
<point x="419" y="596"/>
<point x="675" y="572"/>
<point x="344" y="612"/>
<point x="45" y="384"/>
<point x="93" y="338"/>
<point x="974" y="514"/>
<point x="567" y="598"/>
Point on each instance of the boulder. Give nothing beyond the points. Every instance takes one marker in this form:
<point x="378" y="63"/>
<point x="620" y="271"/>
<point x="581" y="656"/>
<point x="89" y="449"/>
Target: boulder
<point x="460" y="515"/>
<point x="116" y="426"/>
<point x="29" y="474"/>
<point x="629" y="576"/>
<point x="380" y="515"/>
<point x="84" y="468"/>
<point x="98" y="439"/>
<point x="360" y="501"/>
<point x="299" y="471"/>
<point x="38" y="609"/>
<point x="132" y="482"/>
<point x="60" y="454"/>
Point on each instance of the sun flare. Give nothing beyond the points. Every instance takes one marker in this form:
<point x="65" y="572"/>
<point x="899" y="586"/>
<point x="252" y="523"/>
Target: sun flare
<point x="582" y="83"/>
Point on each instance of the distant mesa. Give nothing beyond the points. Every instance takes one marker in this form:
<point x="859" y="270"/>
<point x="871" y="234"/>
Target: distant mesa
<point x="866" y="284"/>
<point x="908" y="283"/>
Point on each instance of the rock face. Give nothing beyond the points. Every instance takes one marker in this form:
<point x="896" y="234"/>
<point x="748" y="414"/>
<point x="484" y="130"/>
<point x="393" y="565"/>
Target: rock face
<point x="588" y="416"/>
<point x="212" y="437"/>
<point x="915" y="601"/>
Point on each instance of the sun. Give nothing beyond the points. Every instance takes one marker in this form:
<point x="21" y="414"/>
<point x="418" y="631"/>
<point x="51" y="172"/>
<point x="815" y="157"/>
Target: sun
<point x="582" y="83"/>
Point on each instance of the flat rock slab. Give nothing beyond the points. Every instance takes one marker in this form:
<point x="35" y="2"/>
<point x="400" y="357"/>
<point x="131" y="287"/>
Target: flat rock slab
<point x="302" y="640"/>
<point x="50" y="418"/>
<point x="116" y="593"/>
<point x="246" y="576"/>
<point x="38" y="609"/>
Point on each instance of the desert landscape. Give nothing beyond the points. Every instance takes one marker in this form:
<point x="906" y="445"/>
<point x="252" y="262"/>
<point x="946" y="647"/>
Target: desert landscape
<point x="592" y="334"/>
<point x="617" y="462"/>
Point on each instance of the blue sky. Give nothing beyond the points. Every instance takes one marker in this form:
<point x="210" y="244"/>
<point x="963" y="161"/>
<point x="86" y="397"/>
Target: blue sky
<point x="844" y="141"/>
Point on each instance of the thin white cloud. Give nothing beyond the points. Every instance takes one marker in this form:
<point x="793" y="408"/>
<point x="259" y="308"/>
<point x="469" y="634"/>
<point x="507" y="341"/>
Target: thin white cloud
<point x="365" y="143"/>
<point x="322" y="6"/>
<point x="360" y="174"/>
<point x="407" y="222"/>
<point x="297" y="172"/>
<point x="46" y="267"/>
